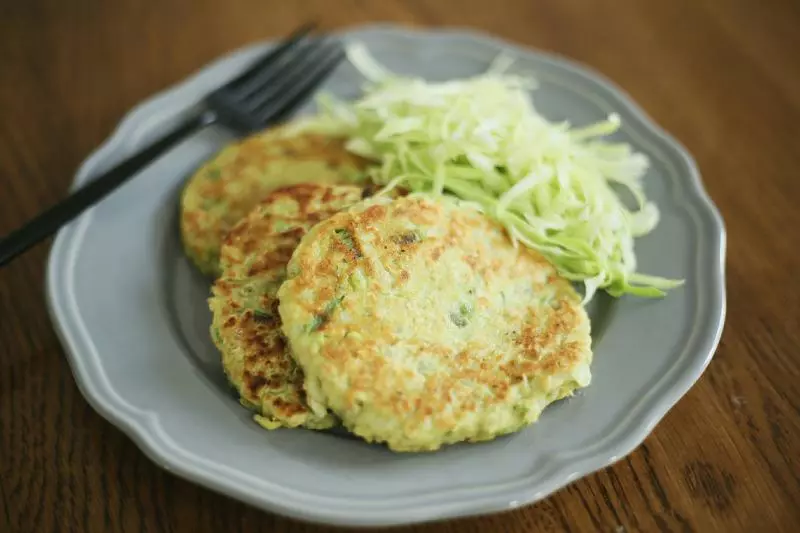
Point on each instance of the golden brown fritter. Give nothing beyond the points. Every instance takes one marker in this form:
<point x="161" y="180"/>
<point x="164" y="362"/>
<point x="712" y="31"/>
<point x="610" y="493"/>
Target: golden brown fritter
<point x="419" y="323"/>
<point x="246" y="324"/>
<point x="227" y="187"/>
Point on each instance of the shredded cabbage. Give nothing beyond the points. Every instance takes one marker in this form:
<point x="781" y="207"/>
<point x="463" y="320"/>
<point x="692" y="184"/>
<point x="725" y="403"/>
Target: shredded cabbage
<point x="482" y="140"/>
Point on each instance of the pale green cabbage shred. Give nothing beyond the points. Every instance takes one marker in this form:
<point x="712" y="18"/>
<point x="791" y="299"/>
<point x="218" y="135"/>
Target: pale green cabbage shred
<point x="482" y="140"/>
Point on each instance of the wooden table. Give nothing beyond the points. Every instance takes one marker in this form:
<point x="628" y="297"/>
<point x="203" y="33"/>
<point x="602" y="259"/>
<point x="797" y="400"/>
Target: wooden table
<point x="723" y="76"/>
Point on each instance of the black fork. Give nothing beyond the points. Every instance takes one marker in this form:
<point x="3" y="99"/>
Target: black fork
<point x="268" y="91"/>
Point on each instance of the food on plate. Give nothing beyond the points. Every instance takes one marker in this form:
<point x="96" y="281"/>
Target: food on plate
<point x="228" y="186"/>
<point x="481" y="138"/>
<point x="425" y="319"/>
<point x="419" y="323"/>
<point x="246" y="324"/>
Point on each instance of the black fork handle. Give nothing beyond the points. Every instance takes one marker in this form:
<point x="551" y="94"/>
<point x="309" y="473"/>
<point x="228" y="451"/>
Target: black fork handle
<point x="49" y="221"/>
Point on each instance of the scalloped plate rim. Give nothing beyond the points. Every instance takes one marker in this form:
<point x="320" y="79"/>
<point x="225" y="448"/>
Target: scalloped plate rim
<point x="143" y="428"/>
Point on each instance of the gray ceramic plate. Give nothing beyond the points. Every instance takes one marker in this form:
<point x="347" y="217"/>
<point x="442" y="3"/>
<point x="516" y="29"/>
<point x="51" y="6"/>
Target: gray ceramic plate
<point x="132" y="315"/>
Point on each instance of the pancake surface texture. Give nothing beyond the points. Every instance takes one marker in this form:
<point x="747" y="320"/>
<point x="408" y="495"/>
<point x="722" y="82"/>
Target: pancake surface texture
<point x="246" y="324"/>
<point x="420" y="324"/>
<point x="227" y="187"/>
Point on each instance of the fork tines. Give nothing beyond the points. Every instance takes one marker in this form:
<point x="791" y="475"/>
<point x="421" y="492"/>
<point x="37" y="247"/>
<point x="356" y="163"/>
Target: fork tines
<point x="278" y="82"/>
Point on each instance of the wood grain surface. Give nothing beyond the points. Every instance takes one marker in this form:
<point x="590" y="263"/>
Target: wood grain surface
<point x="722" y="76"/>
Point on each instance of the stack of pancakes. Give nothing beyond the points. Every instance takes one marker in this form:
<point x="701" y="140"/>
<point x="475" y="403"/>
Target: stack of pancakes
<point x="410" y="320"/>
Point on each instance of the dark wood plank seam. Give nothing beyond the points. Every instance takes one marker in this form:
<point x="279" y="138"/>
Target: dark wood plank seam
<point x="594" y="520"/>
<point x="660" y="492"/>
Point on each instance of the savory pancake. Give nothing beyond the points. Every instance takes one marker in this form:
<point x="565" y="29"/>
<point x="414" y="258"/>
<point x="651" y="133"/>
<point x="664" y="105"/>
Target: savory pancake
<point x="228" y="186"/>
<point x="419" y="323"/>
<point x="246" y="324"/>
